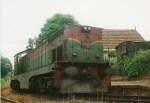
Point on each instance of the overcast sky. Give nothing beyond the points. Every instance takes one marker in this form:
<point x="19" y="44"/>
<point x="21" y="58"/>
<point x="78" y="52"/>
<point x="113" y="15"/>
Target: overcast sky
<point x="21" y="19"/>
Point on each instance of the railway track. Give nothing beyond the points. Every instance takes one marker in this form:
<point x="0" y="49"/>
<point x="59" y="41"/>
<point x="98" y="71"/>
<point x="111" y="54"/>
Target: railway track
<point x="126" y="99"/>
<point x="117" y="94"/>
<point x="108" y="98"/>
<point x="128" y="94"/>
<point x="7" y="100"/>
<point x="104" y="98"/>
<point x="119" y="99"/>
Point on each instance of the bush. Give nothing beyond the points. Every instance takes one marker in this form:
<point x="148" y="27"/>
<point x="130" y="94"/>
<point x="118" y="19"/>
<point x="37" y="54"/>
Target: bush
<point x="112" y="54"/>
<point x="115" y="69"/>
<point x="5" y="80"/>
<point x="6" y="66"/>
<point x="137" y="65"/>
<point x="112" y="57"/>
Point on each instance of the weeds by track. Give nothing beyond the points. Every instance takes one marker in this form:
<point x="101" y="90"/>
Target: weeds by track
<point x="106" y="98"/>
<point x="7" y="100"/>
<point x="111" y="97"/>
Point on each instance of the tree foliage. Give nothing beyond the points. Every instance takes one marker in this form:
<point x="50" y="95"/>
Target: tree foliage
<point x="137" y="65"/>
<point x="31" y="43"/>
<point x="112" y="54"/>
<point x="52" y="25"/>
<point x="6" y="66"/>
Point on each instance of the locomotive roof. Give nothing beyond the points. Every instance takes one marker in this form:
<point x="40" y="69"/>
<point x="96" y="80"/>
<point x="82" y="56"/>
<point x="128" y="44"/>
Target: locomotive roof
<point x="55" y="35"/>
<point x="25" y="51"/>
<point x="60" y="32"/>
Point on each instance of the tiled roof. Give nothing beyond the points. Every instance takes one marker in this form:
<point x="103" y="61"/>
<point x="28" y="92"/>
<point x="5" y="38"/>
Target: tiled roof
<point x="111" y="38"/>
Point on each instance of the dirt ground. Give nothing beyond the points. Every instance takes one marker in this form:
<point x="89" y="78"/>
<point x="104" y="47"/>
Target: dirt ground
<point x="26" y="97"/>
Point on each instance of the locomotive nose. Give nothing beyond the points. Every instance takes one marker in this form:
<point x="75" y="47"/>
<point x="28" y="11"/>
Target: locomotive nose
<point x="72" y="71"/>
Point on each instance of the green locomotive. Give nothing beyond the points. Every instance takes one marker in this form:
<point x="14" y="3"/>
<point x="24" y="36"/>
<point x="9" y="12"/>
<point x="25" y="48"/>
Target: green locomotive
<point x="70" y="61"/>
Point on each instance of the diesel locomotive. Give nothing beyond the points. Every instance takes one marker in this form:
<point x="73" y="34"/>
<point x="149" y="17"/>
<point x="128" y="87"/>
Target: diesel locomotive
<point x="70" y="61"/>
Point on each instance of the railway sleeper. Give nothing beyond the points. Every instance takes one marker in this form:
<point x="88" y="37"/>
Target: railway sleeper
<point x="128" y="99"/>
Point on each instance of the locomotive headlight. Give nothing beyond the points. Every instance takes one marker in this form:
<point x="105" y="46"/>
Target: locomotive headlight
<point x="85" y="28"/>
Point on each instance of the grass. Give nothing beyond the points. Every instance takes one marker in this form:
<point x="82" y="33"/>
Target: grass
<point x="2" y="82"/>
<point x="5" y="81"/>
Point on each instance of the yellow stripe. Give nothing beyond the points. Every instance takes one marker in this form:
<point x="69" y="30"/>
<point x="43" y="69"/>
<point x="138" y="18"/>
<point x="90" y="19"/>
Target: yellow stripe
<point x="96" y="42"/>
<point x="80" y="41"/>
<point x="74" y="40"/>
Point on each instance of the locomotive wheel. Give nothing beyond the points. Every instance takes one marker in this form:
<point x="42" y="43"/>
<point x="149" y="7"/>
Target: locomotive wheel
<point x="33" y="85"/>
<point x="53" y="91"/>
<point x="41" y="85"/>
<point x="15" y="85"/>
<point x="37" y="86"/>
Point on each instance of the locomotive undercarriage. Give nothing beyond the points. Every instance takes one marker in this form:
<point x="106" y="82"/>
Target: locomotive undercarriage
<point x="76" y="86"/>
<point x="67" y="85"/>
<point x="69" y="78"/>
<point x="15" y="85"/>
<point x="43" y="83"/>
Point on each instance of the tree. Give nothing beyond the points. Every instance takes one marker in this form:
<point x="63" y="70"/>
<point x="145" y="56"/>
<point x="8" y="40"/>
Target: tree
<point x="54" y="24"/>
<point x="137" y="65"/>
<point x="31" y="43"/>
<point x="6" y="66"/>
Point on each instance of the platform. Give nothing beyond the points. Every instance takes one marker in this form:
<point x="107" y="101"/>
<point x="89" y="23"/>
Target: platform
<point x="142" y="83"/>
